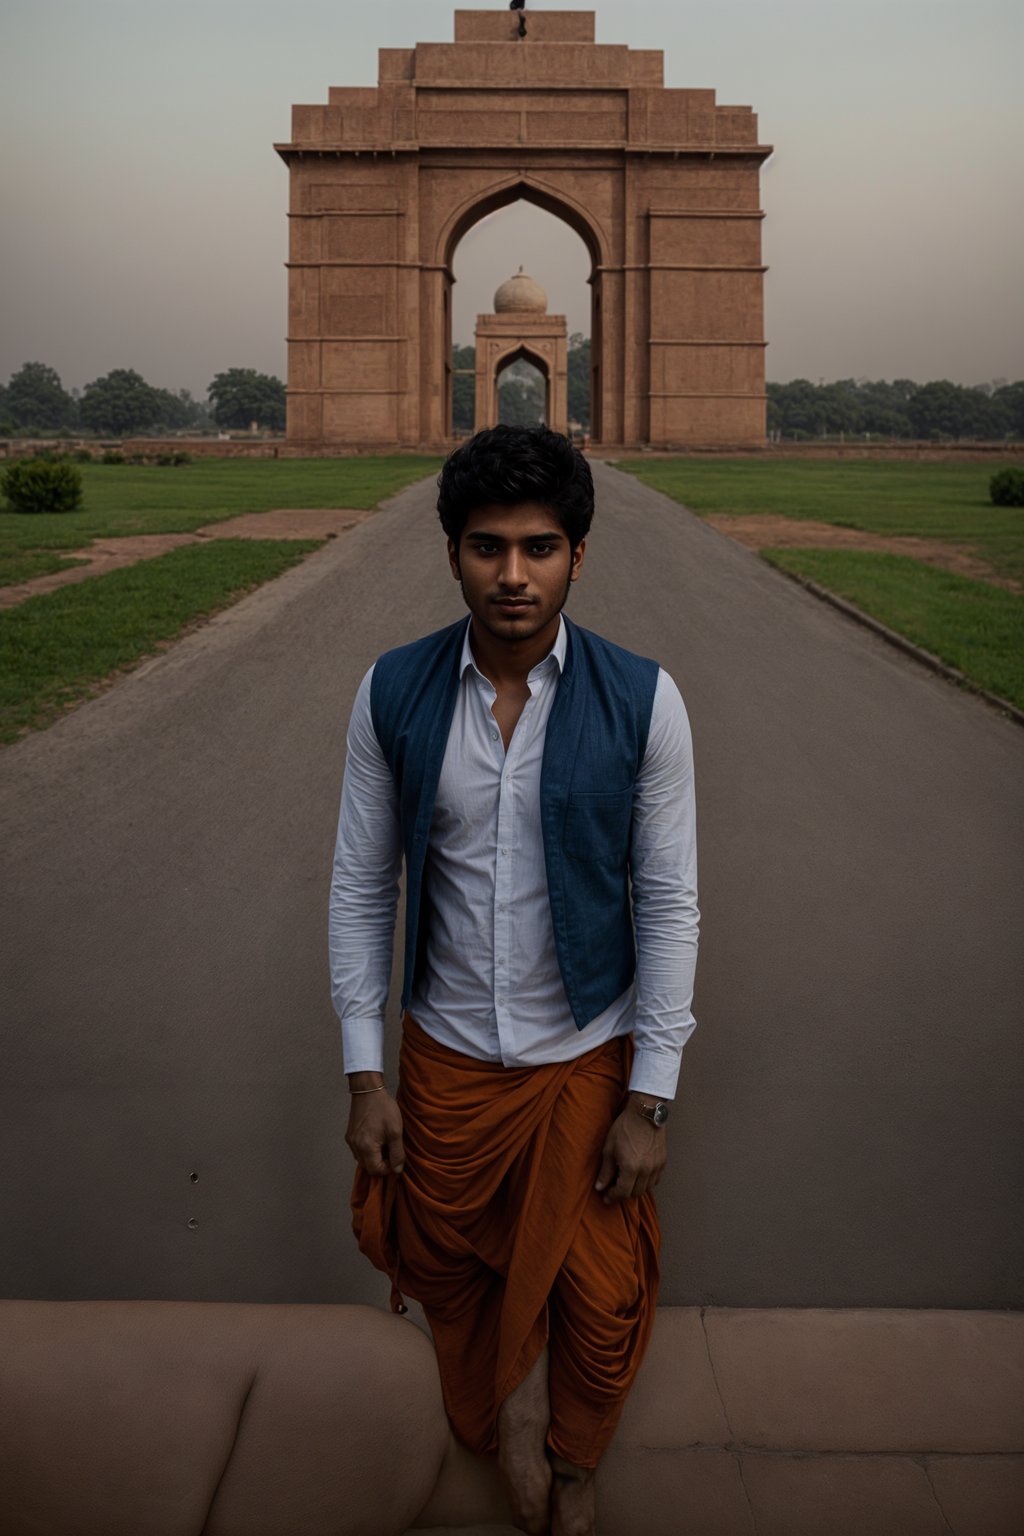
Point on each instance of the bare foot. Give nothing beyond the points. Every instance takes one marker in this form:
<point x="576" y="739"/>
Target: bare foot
<point x="574" y="1503"/>
<point x="523" y="1420"/>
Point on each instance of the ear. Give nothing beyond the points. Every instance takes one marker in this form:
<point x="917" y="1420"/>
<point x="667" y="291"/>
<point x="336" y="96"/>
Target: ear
<point x="453" y="560"/>
<point x="577" y="559"/>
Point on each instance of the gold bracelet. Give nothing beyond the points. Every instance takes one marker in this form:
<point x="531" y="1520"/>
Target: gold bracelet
<point x="381" y="1088"/>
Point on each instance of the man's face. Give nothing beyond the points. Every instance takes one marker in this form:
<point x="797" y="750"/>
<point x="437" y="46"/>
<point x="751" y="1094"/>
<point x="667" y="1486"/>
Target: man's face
<point x="515" y="567"/>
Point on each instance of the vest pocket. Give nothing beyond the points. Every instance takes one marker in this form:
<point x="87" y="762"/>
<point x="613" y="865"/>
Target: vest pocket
<point x="597" y="824"/>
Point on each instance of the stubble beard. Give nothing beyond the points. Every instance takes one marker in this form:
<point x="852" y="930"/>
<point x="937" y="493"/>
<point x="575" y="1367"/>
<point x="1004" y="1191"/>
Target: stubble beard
<point x="519" y="634"/>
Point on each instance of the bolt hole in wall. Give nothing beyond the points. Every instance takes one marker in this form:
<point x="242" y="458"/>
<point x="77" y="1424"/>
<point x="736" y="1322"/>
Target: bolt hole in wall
<point x="520" y="385"/>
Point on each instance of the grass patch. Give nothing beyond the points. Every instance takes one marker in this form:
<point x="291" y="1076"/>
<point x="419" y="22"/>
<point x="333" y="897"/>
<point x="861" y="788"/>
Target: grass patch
<point x="24" y="564"/>
<point x="57" y="648"/>
<point x="127" y="498"/>
<point x="933" y="501"/>
<point x="970" y="625"/>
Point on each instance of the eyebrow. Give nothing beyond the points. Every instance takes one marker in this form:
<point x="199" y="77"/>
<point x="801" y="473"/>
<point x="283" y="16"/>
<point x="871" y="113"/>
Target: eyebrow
<point x="483" y="536"/>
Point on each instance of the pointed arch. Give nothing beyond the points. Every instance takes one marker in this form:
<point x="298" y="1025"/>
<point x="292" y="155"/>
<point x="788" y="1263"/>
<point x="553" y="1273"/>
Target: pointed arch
<point x="519" y="352"/>
<point x="520" y="187"/>
<point x="523" y="352"/>
<point x="528" y="187"/>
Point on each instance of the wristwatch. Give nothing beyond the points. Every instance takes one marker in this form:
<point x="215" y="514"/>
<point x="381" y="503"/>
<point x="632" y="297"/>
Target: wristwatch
<point x="657" y="1113"/>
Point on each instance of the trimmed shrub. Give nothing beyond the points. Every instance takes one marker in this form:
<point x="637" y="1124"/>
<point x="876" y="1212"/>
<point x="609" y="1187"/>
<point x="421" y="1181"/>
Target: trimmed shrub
<point x="82" y="456"/>
<point x="36" y="485"/>
<point x="180" y="457"/>
<point x="112" y="456"/>
<point x="1006" y="488"/>
<point x="164" y="459"/>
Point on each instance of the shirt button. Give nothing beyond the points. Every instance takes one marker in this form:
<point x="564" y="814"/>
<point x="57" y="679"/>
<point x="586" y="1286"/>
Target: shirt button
<point x="504" y="851"/>
<point x="494" y="735"/>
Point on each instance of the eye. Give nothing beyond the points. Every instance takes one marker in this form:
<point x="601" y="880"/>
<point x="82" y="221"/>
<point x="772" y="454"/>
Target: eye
<point x="541" y="549"/>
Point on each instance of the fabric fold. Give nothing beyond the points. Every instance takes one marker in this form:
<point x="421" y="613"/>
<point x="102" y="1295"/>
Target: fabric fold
<point x="495" y="1222"/>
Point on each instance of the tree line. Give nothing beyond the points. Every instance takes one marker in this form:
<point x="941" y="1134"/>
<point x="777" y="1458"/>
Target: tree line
<point x="122" y="403"/>
<point x="799" y="410"/>
<point x="940" y="410"/>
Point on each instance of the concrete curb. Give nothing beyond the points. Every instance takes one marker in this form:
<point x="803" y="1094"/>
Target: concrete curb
<point x="799" y="1421"/>
<point x="901" y="642"/>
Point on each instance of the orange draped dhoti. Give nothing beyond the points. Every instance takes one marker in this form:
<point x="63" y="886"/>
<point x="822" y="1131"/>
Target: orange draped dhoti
<point x="495" y="1227"/>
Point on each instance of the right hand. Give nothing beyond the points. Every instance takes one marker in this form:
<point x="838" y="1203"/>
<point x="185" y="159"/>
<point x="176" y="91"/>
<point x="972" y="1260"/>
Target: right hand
<point x="374" y="1134"/>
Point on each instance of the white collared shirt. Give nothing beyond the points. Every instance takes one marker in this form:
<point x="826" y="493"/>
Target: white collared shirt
<point x="490" y="985"/>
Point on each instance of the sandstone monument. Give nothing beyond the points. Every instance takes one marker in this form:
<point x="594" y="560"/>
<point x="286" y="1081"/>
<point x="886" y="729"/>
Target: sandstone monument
<point x="522" y="328"/>
<point x="661" y="184"/>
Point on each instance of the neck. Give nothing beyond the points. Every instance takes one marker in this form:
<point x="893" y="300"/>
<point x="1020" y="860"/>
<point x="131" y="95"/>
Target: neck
<point x="510" y="661"/>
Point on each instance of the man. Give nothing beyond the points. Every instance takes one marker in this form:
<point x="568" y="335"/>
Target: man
<point x="538" y="781"/>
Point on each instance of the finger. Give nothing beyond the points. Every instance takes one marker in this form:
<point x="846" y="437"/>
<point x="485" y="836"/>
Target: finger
<point x="373" y="1161"/>
<point x="396" y="1153"/>
<point x="641" y="1186"/>
<point x="607" y="1173"/>
<point x="621" y="1189"/>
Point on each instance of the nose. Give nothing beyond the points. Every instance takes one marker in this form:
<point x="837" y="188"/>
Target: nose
<point x="513" y="570"/>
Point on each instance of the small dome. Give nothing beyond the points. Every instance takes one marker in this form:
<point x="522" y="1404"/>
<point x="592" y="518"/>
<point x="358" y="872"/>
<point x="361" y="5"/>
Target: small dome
<point x="520" y="294"/>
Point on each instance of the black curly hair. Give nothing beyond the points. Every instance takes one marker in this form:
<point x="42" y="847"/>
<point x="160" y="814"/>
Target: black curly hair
<point x="505" y="466"/>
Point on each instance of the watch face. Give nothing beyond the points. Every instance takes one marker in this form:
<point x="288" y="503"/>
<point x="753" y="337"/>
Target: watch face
<point x="660" y="1114"/>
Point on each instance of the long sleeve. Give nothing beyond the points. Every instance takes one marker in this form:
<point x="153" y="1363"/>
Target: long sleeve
<point x="663" y="870"/>
<point x="364" y="892"/>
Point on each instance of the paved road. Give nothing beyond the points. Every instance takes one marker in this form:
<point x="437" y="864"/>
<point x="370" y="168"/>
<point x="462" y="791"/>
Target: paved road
<point x="845" y="1130"/>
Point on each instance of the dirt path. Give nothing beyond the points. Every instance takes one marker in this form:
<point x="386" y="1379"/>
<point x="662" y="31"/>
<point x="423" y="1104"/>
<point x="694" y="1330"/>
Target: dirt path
<point x="107" y="554"/>
<point x="757" y="531"/>
<point x="770" y="531"/>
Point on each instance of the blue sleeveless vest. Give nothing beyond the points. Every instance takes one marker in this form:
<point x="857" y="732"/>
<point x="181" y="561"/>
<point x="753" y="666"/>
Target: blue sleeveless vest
<point x="594" y="746"/>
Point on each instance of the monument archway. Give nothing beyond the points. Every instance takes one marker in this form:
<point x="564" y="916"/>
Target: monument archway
<point x="520" y="329"/>
<point x="575" y="219"/>
<point x="662" y="185"/>
<point x="539" y="366"/>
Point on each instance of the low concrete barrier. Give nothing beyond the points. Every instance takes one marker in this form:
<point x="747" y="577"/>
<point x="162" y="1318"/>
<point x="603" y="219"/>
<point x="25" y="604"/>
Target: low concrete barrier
<point x="234" y="1419"/>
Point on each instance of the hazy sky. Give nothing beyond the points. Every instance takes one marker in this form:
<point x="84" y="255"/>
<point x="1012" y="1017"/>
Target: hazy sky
<point x="142" y="207"/>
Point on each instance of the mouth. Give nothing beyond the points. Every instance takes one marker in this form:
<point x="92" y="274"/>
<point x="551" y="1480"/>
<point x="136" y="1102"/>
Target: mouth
<point x="512" y="605"/>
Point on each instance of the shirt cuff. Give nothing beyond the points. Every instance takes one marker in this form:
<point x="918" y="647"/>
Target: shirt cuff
<point x="362" y="1043"/>
<point x="655" y="1072"/>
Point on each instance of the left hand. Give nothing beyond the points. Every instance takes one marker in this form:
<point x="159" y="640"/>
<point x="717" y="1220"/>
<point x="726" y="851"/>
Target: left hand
<point x="634" y="1155"/>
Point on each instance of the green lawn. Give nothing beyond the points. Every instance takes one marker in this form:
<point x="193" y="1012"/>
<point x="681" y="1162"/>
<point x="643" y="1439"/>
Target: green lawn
<point x="970" y="625"/>
<point x="973" y="626"/>
<point x="55" y="649"/>
<point x="23" y="564"/>
<point x="934" y="501"/>
<point x="136" y="498"/>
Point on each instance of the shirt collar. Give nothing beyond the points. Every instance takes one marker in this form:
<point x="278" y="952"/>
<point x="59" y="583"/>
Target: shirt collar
<point x="557" y="651"/>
